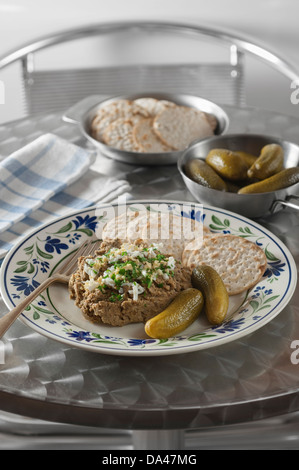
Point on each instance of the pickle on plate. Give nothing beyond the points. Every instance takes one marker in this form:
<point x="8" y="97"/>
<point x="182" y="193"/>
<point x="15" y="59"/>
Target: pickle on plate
<point x="227" y="164"/>
<point x="281" y="180"/>
<point x="179" y="314"/>
<point x="215" y="294"/>
<point x="200" y="172"/>
<point x="269" y="162"/>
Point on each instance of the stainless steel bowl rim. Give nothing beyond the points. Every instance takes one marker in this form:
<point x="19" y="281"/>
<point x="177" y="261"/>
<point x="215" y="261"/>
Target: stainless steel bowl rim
<point x="148" y="157"/>
<point x="230" y="136"/>
<point x="251" y="205"/>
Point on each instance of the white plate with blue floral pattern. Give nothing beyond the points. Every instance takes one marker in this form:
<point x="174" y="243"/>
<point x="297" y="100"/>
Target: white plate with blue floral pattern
<point x="54" y="314"/>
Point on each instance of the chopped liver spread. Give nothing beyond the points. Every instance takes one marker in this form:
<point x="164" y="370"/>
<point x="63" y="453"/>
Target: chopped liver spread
<point x="127" y="282"/>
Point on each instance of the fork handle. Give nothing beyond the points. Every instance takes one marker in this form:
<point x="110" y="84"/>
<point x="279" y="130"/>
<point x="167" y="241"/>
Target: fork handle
<point x="9" y="318"/>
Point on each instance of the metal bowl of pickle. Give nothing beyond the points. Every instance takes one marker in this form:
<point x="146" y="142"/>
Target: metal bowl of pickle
<point x="250" y="174"/>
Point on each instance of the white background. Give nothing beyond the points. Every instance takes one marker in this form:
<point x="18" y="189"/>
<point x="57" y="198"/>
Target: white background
<point x="272" y="23"/>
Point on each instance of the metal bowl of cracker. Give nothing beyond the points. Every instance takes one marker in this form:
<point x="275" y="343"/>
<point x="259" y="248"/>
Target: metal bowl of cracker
<point x="250" y="204"/>
<point x="149" y="128"/>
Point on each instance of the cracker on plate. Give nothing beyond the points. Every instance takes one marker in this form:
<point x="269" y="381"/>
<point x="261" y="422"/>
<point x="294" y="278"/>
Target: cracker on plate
<point x="117" y="226"/>
<point x="240" y="262"/>
<point x="172" y="232"/>
<point x="195" y="244"/>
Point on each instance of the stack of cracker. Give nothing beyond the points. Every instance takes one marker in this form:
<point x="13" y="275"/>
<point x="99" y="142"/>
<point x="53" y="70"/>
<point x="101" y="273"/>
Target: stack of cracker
<point x="149" y="125"/>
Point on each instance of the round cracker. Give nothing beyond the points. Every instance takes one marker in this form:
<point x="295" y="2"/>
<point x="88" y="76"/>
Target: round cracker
<point x="121" y="108"/>
<point x="117" y="227"/>
<point x="119" y="134"/>
<point x="146" y="139"/>
<point x="99" y="126"/>
<point x="212" y="121"/>
<point x="239" y="262"/>
<point x="136" y="225"/>
<point x="153" y="106"/>
<point x="178" y="126"/>
<point x="195" y="244"/>
<point x="172" y="232"/>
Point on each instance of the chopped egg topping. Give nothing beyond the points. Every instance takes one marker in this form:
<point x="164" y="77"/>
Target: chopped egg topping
<point x="129" y="265"/>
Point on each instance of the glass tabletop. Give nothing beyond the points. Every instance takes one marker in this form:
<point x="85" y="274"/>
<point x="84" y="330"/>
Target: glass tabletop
<point x="251" y="378"/>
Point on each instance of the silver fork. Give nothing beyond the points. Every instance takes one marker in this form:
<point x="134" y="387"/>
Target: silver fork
<point x="62" y="274"/>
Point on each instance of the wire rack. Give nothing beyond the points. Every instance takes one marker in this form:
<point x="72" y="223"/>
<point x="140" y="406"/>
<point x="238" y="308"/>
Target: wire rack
<point x="108" y="59"/>
<point x="117" y="58"/>
<point x="54" y="90"/>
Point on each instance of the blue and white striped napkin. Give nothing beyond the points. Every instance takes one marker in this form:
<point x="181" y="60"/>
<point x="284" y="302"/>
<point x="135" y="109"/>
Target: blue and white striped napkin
<point x="47" y="179"/>
<point x="34" y="174"/>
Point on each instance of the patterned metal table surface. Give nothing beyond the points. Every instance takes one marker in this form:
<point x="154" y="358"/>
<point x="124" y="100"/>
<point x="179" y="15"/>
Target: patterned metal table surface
<point x="248" y="379"/>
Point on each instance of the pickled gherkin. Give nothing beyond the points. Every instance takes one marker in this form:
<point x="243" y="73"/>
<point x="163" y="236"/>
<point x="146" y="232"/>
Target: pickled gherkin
<point x="227" y="164"/>
<point x="283" y="179"/>
<point x="179" y="314"/>
<point x="197" y="170"/>
<point x="241" y="172"/>
<point x="269" y="162"/>
<point x="215" y="294"/>
<point x="248" y="158"/>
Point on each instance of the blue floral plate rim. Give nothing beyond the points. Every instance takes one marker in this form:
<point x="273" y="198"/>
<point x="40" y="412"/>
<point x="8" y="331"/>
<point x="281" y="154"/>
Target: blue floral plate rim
<point x="29" y="262"/>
